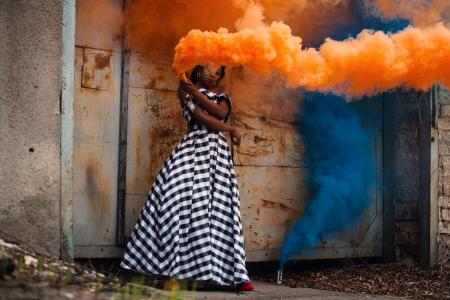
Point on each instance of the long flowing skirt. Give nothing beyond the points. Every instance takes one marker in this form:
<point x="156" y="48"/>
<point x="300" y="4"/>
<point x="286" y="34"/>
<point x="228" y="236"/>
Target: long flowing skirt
<point x="190" y="225"/>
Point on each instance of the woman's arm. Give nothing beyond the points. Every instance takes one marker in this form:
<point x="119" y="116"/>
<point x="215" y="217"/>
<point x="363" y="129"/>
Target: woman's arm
<point x="219" y="110"/>
<point x="214" y="124"/>
<point x="181" y="95"/>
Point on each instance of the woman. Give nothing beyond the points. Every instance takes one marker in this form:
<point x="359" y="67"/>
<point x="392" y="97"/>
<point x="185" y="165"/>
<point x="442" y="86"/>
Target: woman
<point x="190" y="226"/>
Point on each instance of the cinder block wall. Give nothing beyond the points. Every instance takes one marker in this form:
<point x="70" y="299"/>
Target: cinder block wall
<point x="30" y="61"/>
<point x="444" y="174"/>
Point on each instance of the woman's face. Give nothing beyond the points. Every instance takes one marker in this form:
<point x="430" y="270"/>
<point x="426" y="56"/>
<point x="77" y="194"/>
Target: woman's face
<point x="210" y="75"/>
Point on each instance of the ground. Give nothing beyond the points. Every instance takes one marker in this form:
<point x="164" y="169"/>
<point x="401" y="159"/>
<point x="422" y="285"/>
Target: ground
<point x="27" y="275"/>
<point x="404" y="279"/>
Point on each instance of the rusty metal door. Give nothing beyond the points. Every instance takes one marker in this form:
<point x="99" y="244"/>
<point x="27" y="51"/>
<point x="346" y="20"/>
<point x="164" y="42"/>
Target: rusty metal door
<point x="154" y="127"/>
<point x="272" y="172"/>
<point x="96" y="127"/>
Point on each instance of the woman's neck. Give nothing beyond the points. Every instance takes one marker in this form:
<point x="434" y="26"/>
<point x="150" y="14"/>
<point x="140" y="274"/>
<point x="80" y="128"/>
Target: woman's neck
<point x="201" y="85"/>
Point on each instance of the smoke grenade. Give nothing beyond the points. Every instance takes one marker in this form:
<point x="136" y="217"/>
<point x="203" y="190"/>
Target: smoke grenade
<point x="279" y="277"/>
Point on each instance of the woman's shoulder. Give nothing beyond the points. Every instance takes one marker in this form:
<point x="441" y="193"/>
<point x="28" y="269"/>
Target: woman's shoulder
<point x="224" y="97"/>
<point x="208" y="93"/>
<point x="215" y="94"/>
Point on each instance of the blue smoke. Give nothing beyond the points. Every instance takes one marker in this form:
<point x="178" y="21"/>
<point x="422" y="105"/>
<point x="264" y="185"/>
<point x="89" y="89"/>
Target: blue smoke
<point x="338" y="153"/>
<point x="341" y="160"/>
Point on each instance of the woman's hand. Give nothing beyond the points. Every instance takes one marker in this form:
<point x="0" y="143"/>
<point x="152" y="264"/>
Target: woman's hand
<point x="235" y="137"/>
<point x="188" y="87"/>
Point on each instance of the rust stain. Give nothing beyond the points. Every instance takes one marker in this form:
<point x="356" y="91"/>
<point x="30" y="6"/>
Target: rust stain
<point x="257" y="139"/>
<point x="166" y="133"/>
<point x="98" y="186"/>
<point x="151" y="84"/>
<point x="163" y="139"/>
<point x="257" y="151"/>
<point x="354" y="236"/>
<point x="102" y="61"/>
<point x="85" y="58"/>
<point x="153" y="155"/>
<point x="91" y="186"/>
<point x="263" y="119"/>
<point x="136" y="133"/>
<point x="271" y="204"/>
<point x="267" y="245"/>
<point x="86" y="77"/>
<point x="237" y="120"/>
<point x="96" y="69"/>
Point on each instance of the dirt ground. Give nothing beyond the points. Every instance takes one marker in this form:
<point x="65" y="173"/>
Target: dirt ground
<point x="27" y="275"/>
<point x="365" y="277"/>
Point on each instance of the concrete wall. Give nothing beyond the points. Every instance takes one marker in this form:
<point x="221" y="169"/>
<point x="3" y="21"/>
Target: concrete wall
<point x="444" y="174"/>
<point x="30" y="56"/>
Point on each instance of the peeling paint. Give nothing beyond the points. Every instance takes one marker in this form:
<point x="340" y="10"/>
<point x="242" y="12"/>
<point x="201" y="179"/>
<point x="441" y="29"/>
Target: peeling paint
<point x="272" y="204"/>
<point x="96" y="69"/>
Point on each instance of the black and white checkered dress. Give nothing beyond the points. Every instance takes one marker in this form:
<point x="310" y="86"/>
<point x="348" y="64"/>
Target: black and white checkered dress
<point x="190" y="225"/>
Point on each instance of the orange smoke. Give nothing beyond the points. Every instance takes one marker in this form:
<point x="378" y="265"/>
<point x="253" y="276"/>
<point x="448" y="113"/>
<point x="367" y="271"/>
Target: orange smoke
<point x="313" y="20"/>
<point x="370" y="63"/>
<point x="153" y="27"/>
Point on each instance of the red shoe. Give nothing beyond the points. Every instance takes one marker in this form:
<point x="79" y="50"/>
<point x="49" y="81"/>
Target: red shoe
<point x="245" y="287"/>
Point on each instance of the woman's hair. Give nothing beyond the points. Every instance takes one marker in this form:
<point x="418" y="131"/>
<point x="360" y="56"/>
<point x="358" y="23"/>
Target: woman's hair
<point x="199" y="68"/>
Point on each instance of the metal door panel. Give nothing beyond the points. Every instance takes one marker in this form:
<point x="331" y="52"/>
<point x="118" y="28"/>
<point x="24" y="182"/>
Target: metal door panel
<point x="155" y="126"/>
<point x="266" y="118"/>
<point x="271" y="141"/>
<point x="270" y="202"/>
<point x="96" y="127"/>
<point x="151" y="74"/>
<point x="99" y="25"/>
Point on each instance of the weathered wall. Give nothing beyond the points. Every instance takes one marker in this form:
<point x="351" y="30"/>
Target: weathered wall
<point x="444" y="174"/>
<point x="30" y="55"/>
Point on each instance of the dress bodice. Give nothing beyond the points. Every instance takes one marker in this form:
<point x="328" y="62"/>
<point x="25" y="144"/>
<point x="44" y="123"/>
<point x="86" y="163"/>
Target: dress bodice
<point x="189" y="106"/>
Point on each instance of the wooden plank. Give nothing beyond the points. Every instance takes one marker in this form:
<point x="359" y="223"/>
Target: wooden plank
<point x="428" y="203"/>
<point x="388" y="178"/>
<point x="434" y="179"/>
<point x="370" y="113"/>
